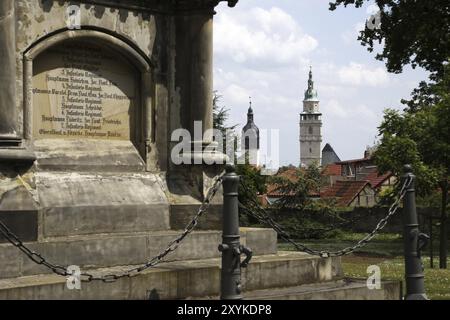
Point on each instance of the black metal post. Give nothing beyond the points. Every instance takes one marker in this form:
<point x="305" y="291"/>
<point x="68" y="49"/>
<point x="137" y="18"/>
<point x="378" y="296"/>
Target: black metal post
<point x="414" y="241"/>
<point x="431" y="242"/>
<point x="231" y="248"/>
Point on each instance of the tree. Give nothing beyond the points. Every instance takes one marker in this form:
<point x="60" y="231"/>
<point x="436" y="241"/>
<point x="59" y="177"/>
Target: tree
<point x="420" y="136"/>
<point x="296" y="189"/>
<point x="298" y="209"/>
<point x="254" y="181"/>
<point x="220" y="119"/>
<point x="415" y="33"/>
<point x="221" y="115"/>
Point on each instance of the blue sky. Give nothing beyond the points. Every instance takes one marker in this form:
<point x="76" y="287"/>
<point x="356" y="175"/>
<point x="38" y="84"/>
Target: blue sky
<point x="263" y="49"/>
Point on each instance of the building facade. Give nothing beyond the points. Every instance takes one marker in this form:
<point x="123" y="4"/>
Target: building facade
<point x="310" y="127"/>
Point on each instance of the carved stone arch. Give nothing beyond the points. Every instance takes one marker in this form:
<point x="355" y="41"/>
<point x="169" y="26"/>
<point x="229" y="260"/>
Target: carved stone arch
<point x="144" y="135"/>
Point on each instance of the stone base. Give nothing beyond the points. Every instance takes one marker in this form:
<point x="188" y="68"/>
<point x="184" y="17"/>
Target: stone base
<point x="178" y="280"/>
<point x="109" y="250"/>
<point x="286" y="275"/>
<point x="345" y="289"/>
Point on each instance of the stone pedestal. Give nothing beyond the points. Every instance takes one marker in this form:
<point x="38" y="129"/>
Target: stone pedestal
<point x="8" y="117"/>
<point x="84" y="120"/>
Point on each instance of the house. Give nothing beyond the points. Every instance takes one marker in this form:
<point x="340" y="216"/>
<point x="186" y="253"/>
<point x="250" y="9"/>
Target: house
<point x="353" y="183"/>
<point x="380" y="182"/>
<point x="350" y="193"/>
<point x="273" y="193"/>
<point x="331" y="173"/>
<point x="350" y="181"/>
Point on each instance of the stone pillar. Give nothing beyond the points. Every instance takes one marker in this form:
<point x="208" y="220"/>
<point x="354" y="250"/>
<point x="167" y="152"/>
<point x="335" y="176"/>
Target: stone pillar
<point x="194" y="70"/>
<point x="201" y="35"/>
<point x="8" y="116"/>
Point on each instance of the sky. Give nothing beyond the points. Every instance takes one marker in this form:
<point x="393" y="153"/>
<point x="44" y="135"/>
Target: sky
<point x="264" y="48"/>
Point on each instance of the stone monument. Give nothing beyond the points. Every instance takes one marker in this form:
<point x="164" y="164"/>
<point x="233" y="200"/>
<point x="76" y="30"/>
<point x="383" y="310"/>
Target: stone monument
<point x="90" y="92"/>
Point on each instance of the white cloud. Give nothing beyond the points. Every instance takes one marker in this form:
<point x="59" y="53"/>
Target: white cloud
<point x="236" y="94"/>
<point x="334" y="109"/>
<point x="259" y="36"/>
<point x="360" y="75"/>
<point x="351" y="36"/>
<point x="266" y="54"/>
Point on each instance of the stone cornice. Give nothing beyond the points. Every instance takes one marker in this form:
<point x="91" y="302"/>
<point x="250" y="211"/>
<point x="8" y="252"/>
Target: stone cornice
<point x="202" y="4"/>
<point x="162" y="6"/>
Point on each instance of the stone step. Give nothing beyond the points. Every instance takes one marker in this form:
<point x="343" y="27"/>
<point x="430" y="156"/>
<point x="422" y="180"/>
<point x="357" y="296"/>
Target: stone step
<point x="345" y="289"/>
<point x="180" y="279"/>
<point x="107" y="250"/>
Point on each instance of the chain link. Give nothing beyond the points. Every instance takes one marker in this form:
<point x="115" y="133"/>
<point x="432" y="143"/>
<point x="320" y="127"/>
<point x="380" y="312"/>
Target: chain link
<point x="87" y="277"/>
<point x="262" y="216"/>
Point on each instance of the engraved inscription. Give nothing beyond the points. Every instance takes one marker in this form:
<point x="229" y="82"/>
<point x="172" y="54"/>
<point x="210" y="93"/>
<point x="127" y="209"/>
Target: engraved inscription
<point x="81" y="90"/>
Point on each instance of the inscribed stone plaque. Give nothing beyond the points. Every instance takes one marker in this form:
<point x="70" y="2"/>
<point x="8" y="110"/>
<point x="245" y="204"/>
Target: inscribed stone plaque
<point x="83" y="91"/>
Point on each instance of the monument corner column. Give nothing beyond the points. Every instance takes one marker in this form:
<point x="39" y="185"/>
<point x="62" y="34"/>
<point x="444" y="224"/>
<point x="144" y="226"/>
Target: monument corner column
<point x="195" y="61"/>
<point x="8" y="114"/>
<point x="194" y="82"/>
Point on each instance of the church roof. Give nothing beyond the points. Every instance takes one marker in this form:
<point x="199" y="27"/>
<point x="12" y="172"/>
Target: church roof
<point x="311" y="93"/>
<point x="250" y="126"/>
<point x="328" y="148"/>
<point x="250" y="121"/>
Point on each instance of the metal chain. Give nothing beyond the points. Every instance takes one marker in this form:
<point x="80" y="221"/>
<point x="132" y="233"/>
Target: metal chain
<point x="261" y="215"/>
<point x="87" y="277"/>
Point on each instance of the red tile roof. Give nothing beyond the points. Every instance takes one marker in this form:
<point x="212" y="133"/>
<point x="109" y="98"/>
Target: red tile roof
<point x="344" y="191"/>
<point x="332" y="169"/>
<point x="290" y="174"/>
<point x="375" y="179"/>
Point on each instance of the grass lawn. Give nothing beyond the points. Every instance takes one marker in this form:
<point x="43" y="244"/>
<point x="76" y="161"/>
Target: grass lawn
<point x="437" y="281"/>
<point x="386" y="251"/>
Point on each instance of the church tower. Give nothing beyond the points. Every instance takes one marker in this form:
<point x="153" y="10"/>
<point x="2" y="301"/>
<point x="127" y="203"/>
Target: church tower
<point x="250" y="139"/>
<point x="310" y="127"/>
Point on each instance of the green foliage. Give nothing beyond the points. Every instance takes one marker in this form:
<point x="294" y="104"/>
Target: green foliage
<point x="296" y="191"/>
<point x="255" y="185"/>
<point x="354" y="236"/>
<point x="420" y="137"/>
<point x="220" y="120"/>
<point x="412" y="32"/>
<point x="306" y="226"/>
<point x="432" y="200"/>
<point x="220" y="115"/>
<point x="253" y="179"/>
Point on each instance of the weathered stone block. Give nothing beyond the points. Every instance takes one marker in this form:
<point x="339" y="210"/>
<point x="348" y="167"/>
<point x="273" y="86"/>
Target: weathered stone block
<point x="106" y="250"/>
<point x="181" y="215"/>
<point x="23" y="223"/>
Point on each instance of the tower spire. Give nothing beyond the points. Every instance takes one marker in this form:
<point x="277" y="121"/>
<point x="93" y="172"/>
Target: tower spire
<point x="250" y="111"/>
<point x="310" y="93"/>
